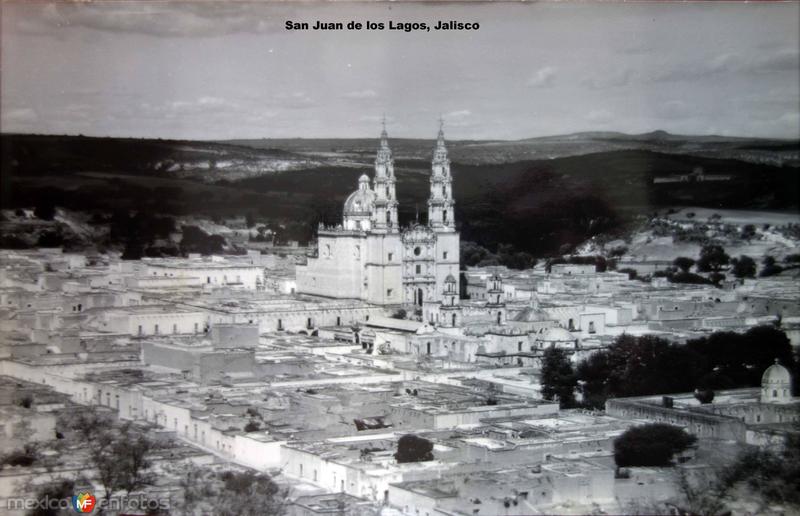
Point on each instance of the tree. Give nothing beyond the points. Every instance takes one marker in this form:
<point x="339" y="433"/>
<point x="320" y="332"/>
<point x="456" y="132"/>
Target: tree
<point x="744" y="267"/>
<point x="636" y="366"/>
<point x="652" y="444"/>
<point x="195" y="240"/>
<point x="252" y="426"/>
<point x="61" y="490"/>
<point x="771" y="475"/>
<point x="683" y="263"/>
<point x="712" y="258"/>
<point x="119" y="451"/>
<point x="248" y="494"/>
<point x="412" y="448"/>
<point x="558" y="378"/>
<point x="770" y="267"/>
<point x="250" y="220"/>
<point x="228" y="493"/>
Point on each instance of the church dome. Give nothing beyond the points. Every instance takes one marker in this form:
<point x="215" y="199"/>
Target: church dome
<point x="776" y="384"/>
<point x="531" y="314"/>
<point x="776" y="374"/>
<point x="556" y="335"/>
<point x="360" y="202"/>
<point x="449" y="279"/>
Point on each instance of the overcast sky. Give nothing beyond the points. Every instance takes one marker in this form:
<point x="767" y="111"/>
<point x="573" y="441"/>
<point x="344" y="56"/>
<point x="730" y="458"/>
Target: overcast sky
<point x="214" y="71"/>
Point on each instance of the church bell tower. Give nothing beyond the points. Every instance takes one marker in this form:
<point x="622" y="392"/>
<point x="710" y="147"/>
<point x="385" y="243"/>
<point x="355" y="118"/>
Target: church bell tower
<point x="441" y="216"/>
<point x="384" y="217"/>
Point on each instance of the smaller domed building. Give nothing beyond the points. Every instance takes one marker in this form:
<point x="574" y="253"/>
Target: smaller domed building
<point x="776" y="384"/>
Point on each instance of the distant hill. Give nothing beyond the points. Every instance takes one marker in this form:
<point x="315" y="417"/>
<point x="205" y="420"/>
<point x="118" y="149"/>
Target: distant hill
<point x="542" y="195"/>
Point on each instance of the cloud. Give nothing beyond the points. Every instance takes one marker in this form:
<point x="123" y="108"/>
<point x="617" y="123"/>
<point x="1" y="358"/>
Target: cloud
<point x="673" y="109"/>
<point x="787" y="59"/>
<point x="296" y="100"/>
<point x="19" y="115"/>
<point x="543" y="78"/>
<point x="361" y="94"/>
<point x="612" y="79"/>
<point x="599" y="116"/>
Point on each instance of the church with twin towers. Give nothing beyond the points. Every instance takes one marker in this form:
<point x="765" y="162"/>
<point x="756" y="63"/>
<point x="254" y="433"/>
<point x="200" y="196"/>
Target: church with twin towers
<point x="370" y="257"/>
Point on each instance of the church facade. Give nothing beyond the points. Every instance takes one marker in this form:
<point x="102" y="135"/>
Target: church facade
<point x="370" y="257"/>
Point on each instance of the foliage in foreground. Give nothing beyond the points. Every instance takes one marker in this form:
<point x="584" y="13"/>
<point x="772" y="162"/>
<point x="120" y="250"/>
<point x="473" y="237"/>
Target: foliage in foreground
<point x="651" y="445"/>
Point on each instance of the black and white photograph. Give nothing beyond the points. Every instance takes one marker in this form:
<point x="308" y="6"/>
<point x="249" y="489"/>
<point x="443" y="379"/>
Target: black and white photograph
<point x="399" y="258"/>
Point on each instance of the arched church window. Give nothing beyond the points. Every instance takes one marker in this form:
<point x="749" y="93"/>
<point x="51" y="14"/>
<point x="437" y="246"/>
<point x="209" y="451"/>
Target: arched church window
<point x="417" y="251"/>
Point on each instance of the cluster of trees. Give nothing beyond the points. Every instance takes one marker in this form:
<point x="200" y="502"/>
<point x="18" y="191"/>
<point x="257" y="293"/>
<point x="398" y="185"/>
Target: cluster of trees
<point x="138" y="233"/>
<point x="229" y="493"/>
<point x="765" y="476"/>
<point x="647" y="365"/>
<point x="473" y="254"/>
<point x="651" y="445"/>
<point x="195" y="240"/>
<point x="771" y="267"/>
<point x="600" y="262"/>
<point x="120" y="452"/>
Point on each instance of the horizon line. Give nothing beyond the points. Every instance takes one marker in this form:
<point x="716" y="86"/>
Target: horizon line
<point x="621" y="133"/>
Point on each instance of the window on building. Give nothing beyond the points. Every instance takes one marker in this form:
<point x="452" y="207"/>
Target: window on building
<point x="390" y="257"/>
<point x="444" y="216"/>
<point x="140" y="329"/>
<point x="308" y="323"/>
<point x="174" y="328"/>
<point x="519" y="346"/>
<point x="280" y="324"/>
<point x="444" y="255"/>
<point x="208" y="279"/>
<point x="774" y="393"/>
<point x="419" y="269"/>
<point x="417" y="251"/>
<point x="591" y="327"/>
<point x="429" y="348"/>
<point x="225" y="279"/>
<point x="389" y="292"/>
<point x="155" y="329"/>
<point x="571" y="325"/>
<point x="388" y="218"/>
<point x="338" y="321"/>
<point x="195" y="327"/>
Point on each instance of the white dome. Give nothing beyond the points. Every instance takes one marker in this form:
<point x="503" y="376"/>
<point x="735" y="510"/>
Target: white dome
<point x="776" y="374"/>
<point x="556" y="335"/>
<point x="359" y="202"/>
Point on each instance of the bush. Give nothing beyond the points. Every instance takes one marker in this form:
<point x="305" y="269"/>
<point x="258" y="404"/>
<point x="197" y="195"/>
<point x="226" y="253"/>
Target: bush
<point x="651" y="445"/>
<point x="411" y="448"/>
